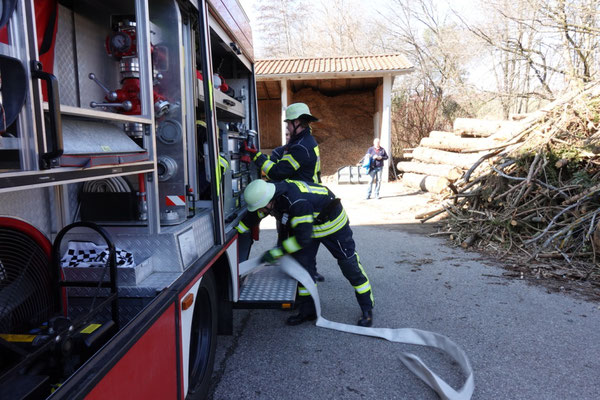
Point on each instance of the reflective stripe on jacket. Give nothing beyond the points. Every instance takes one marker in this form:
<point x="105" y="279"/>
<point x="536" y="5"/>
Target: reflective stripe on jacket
<point x="301" y="162"/>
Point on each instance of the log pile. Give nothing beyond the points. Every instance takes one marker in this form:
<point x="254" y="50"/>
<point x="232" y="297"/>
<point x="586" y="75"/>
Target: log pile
<point x="537" y="196"/>
<point x="443" y="157"/>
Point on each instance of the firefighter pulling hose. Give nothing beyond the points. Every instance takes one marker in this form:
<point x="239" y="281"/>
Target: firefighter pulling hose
<point x="313" y="215"/>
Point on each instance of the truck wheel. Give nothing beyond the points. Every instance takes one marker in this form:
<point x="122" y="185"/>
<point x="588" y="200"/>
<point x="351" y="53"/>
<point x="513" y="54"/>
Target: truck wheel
<point x="203" y="338"/>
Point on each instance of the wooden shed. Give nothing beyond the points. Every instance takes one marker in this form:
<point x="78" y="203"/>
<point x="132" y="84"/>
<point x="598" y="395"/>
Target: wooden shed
<point x="350" y="95"/>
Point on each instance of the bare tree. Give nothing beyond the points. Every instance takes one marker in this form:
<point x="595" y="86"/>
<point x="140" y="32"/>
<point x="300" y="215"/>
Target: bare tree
<point x="316" y="28"/>
<point x="340" y="27"/>
<point x="282" y="27"/>
<point x="541" y="47"/>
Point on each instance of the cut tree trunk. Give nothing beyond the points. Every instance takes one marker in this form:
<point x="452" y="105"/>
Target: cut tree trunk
<point x="438" y="140"/>
<point x="476" y="127"/>
<point x="443" y="134"/>
<point x="434" y="156"/>
<point x="433" y="184"/>
<point x="450" y="172"/>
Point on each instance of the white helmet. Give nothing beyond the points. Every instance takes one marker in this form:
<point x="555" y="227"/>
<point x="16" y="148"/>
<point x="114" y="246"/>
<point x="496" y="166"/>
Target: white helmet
<point x="258" y="194"/>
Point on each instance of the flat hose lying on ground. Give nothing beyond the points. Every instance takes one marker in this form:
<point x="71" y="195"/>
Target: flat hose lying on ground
<point x="400" y="335"/>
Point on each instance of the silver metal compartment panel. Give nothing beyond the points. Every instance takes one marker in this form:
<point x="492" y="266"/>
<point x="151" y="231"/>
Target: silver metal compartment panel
<point x="90" y="137"/>
<point x="268" y="284"/>
<point x="32" y="206"/>
<point x="64" y="58"/>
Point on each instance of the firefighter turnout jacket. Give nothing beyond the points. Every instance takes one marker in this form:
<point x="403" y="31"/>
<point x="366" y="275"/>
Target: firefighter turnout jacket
<point x="301" y="162"/>
<point x="314" y="215"/>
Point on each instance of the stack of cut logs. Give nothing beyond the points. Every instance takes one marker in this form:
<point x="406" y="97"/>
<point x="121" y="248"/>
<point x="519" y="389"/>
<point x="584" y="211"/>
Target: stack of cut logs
<point x="443" y="157"/>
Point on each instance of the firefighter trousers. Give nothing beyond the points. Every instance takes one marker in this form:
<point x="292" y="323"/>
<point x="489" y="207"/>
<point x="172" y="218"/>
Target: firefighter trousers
<point x="341" y="246"/>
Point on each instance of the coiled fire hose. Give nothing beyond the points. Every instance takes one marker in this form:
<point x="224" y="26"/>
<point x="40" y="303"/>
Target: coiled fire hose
<point x="399" y="335"/>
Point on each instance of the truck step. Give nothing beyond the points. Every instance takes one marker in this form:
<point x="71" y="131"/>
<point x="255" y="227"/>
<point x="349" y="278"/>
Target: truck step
<point x="268" y="287"/>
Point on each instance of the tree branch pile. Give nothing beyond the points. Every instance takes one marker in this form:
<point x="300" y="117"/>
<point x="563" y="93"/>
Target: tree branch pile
<point x="538" y="195"/>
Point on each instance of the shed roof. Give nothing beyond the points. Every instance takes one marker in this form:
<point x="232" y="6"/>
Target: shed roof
<point x="388" y="63"/>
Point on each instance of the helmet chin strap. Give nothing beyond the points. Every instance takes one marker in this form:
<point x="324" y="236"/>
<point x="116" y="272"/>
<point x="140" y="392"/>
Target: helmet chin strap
<point x="296" y="126"/>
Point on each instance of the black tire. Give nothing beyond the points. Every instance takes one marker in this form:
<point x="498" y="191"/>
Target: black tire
<point x="203" y="339"/>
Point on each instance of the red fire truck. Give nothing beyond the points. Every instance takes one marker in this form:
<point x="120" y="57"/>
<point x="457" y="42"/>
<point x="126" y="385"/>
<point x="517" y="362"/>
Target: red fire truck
<point x="121" y="173"/>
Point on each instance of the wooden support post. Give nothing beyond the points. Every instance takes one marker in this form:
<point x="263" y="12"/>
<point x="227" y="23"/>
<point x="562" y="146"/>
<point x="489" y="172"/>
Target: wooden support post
<point x="386" y="123"/>
<point x="284" y="104"/>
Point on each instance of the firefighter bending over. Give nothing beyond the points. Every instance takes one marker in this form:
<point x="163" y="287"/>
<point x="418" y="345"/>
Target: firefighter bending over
<point x="313" y="215"/>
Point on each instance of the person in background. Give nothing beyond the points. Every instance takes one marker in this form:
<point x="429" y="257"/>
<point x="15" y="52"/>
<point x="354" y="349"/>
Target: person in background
<point x="378" y="156"/>
<point x="279" y="152"/>
<point x="315" y="216"/>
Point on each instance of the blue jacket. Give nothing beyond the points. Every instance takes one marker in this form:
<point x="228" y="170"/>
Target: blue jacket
<point x="377" y="152"/>
<point x="301" y="162"/>
<point x="300" y="206"/>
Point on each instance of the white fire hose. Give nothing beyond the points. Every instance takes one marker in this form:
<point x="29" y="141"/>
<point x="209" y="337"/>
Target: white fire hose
<point x="400" y="335"/>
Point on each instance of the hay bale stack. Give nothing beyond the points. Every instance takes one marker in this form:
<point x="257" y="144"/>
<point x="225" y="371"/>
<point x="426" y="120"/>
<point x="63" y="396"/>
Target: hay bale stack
<point x="345" y="128"/>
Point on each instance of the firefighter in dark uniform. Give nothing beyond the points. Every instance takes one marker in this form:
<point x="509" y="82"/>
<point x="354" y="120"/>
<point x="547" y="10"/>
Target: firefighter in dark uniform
<point x="298" y="159"/>
<point x="313" y="215"/>
<point x="301" y="160"/>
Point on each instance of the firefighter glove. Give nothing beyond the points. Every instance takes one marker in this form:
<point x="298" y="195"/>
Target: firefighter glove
<point x="271" y="256"/>
<point x="246" y="159"/>
<point x="250" y="149"/>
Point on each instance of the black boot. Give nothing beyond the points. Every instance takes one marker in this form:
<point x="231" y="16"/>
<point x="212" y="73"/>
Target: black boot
<point x="306" y="312"/>
<point x="366" y="319"/>
<point x="300" y="318"/>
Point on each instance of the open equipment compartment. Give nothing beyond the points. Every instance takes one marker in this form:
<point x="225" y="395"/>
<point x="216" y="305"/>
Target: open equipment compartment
<point x="112" y="130"/>
<point x="233" y="87"/>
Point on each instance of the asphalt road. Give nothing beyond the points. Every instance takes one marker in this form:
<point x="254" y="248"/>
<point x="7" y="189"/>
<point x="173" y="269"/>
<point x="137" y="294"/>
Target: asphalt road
<point x="523" y="342"/>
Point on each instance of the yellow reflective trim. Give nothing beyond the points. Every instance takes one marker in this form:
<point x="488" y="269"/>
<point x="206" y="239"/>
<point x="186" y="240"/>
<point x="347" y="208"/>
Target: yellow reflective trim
<point x="364" y="288"/>
<point x="291" y="160"/>
<point x="90" y="328"/>
<point x="256" y="156"/>
<point x="277" y="252"/>
<point x="261" y="214"/>
<point x="301" y="185"/>
<point x="224" y="163"/>
<point x="242" y="228"/>
<point x="218" y="182"/>
<point x="330" y="227"/>
<point x="365" y="275"/>
<point x="301" y="219"/>
<point x="291" y="245"/>
<point x="266" y="167"/>
<point x="317" y="165"/>
<point x="306" y="188"/>
<point x="302" y="291"/>
<point x="17" y="338"/>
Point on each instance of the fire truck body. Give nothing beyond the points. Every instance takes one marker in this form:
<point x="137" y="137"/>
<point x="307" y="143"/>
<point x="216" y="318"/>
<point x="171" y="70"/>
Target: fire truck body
<point x="123" y="127"/>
